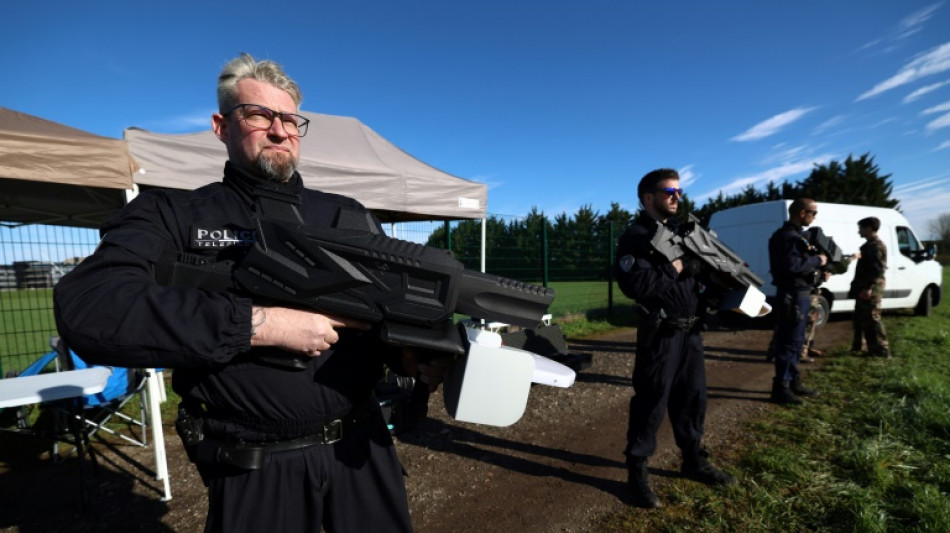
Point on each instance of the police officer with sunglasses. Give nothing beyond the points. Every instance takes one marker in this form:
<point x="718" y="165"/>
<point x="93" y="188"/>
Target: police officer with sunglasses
<point x="669" y="372"/>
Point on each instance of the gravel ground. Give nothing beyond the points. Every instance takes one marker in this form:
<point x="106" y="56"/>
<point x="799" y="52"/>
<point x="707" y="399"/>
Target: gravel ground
<point x="560" y="468"/>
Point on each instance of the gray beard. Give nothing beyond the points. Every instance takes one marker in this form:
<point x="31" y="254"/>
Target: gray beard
<point x="279" y="169"/>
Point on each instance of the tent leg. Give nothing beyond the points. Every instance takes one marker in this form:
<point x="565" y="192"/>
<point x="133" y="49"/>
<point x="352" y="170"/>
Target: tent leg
<point x="158" y="433"/>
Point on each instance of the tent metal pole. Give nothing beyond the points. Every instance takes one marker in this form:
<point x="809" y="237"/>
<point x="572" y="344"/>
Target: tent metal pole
<point x="483" y="244"/>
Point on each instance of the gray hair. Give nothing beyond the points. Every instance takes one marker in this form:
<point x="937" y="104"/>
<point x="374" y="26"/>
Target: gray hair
<point x="245" y="66"/>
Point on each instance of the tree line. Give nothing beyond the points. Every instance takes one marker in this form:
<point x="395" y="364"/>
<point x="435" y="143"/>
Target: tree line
<point x="578" y="246"/>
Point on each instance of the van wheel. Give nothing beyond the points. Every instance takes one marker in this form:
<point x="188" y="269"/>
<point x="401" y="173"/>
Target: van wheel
<point x="824" y="311"/>
<point x="925" y="304"/>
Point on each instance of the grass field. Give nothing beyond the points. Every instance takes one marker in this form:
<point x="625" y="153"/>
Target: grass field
<point x="26" y="324"/>
<point x="871" y="455"/>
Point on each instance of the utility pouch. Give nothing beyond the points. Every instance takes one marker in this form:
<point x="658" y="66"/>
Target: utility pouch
<point x="650" y="323"/>
<point x="190" y="429"/>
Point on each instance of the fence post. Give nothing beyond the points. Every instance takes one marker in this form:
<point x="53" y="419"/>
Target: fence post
<point x="610" y="271"/>
<point x="448" y="236"/>
<point x="544" y="250"/>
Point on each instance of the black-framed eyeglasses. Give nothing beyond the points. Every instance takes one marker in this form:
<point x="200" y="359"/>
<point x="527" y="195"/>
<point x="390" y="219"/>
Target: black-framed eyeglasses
<point x="670" y="191"/>
<point x="260" y="117"/>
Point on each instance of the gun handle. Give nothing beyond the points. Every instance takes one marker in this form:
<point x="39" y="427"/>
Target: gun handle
<point x="440" y="338"/>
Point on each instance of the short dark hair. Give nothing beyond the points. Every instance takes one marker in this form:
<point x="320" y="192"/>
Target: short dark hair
<point x="870" y="222"/>
<point x="649" y="182"/>
<point x="798" y="205"/>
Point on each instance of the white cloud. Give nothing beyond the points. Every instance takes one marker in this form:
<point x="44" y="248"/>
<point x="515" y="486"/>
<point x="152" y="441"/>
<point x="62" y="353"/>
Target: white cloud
<point x="924" y="90"/>
<point x="783" y="154"/>
<point x="828" y="124"/>
<point x="942" y="122"/>
<point x="772" y="126"/>
<point x="943" y="146"/>
<point x="931" y="183"/>
<point x="776" y="174"/>
<point x="923" y="201"/>
<point x="932" y="62"/>
<point x="913" y="23"/>
<point x="687" y="176"/>
<point x="940" y="108"/>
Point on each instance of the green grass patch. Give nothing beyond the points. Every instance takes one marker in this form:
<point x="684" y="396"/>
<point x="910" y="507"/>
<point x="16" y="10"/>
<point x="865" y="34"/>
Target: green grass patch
<point x="583" y="308"/>
<point x="26" y="324"/>
<point x="871" y="454"/>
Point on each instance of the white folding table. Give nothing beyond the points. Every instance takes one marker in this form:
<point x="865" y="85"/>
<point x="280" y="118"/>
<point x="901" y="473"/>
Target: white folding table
<point x="54" y="386"/>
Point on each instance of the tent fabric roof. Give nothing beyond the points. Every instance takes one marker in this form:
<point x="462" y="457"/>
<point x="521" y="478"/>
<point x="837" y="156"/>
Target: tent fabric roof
<point x="55" y="174"/>
<point x="339" y="155"/>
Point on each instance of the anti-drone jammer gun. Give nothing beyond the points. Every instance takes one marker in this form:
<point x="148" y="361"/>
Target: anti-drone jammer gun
<point x="720" y="268"/>
<point x="410" y="292"/>
<point x="823" y="244"/>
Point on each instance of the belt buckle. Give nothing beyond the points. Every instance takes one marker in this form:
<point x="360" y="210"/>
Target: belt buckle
<point x="333" y="432"/>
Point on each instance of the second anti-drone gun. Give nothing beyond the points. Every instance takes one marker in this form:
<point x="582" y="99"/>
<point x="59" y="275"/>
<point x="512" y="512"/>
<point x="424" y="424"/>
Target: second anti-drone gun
<point x="721" y="269"/>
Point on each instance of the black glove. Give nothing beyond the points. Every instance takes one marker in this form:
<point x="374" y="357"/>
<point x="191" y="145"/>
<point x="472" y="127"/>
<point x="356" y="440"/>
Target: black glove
<point x="691" y="267"/>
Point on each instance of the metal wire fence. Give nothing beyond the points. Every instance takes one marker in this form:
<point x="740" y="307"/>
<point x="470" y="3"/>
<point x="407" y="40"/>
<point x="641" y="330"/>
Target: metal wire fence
<point x="33" y="258"/>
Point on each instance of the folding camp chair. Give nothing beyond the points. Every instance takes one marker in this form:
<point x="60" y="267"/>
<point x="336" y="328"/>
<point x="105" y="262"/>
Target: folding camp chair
<point x="101" y="410"/>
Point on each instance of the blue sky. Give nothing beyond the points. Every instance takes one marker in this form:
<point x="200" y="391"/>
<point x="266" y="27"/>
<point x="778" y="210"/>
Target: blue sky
<point x="554" y="104"/>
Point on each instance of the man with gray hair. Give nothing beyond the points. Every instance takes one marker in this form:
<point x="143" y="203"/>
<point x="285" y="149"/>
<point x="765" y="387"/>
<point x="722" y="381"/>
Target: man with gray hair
<point x="277" y="404"/>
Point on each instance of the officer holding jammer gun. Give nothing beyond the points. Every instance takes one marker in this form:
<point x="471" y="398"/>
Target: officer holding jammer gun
<point x="669" y="372"/>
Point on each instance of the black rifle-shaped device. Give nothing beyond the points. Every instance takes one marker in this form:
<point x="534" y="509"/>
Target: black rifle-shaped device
<point x="721" y="269"/>
<point x="409" y="290"/>
<point x="823" y="244"/>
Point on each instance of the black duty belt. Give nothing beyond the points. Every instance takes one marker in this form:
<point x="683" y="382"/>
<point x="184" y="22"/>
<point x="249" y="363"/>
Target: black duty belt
<point x="684" y="324"/>
<point x="251" y="455"/>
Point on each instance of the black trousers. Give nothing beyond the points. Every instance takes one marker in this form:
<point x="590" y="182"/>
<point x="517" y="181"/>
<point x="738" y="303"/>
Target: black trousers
<point x="669" y="374"/>
<point x="792" y="317"/>
<point x="354" y="485"/>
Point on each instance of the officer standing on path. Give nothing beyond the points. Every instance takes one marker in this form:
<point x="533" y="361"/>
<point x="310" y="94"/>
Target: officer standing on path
<point x="280" y="447"/>
<point x="669" y="372"/>
<point x="793" y="268"/>
<point x="867" y="288"/>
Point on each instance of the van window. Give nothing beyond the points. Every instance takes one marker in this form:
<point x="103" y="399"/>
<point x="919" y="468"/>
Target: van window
<point x="908" y="243"/>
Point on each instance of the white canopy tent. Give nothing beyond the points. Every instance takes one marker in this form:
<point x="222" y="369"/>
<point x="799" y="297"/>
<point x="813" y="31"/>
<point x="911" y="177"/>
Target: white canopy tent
<point x="339" y="155"/>
<point x="54" y="174"/>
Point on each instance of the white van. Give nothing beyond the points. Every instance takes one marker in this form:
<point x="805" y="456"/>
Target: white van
<point x="914" y="278"/>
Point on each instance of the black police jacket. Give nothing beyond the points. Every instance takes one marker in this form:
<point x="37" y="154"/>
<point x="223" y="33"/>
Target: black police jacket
<point x="110" y="310"/>
<point x="648" y="277"/>
<point x="793" y="266"/>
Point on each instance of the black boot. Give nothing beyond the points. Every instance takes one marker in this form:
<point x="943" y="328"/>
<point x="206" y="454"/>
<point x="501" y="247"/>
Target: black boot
<point x="696" y="466"/>
<point x="782" y="393"/>
<point x="799" y="390"/>
<point x="639" y="484"/>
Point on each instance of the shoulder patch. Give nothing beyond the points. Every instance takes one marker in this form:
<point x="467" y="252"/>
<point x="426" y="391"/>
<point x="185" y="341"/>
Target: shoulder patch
<point x="626" y="263"/>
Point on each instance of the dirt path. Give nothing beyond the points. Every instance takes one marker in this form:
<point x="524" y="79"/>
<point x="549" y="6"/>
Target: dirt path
<point x="558" y="469"/>
<point x="561" y="467"/>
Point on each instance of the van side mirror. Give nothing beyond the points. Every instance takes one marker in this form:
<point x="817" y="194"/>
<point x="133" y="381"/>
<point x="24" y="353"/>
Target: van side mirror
<point x="931" y="251"/>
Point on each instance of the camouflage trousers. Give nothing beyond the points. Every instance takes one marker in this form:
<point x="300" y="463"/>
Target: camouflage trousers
<point x="868" y="327"/>
<point x="809" y="337"/>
